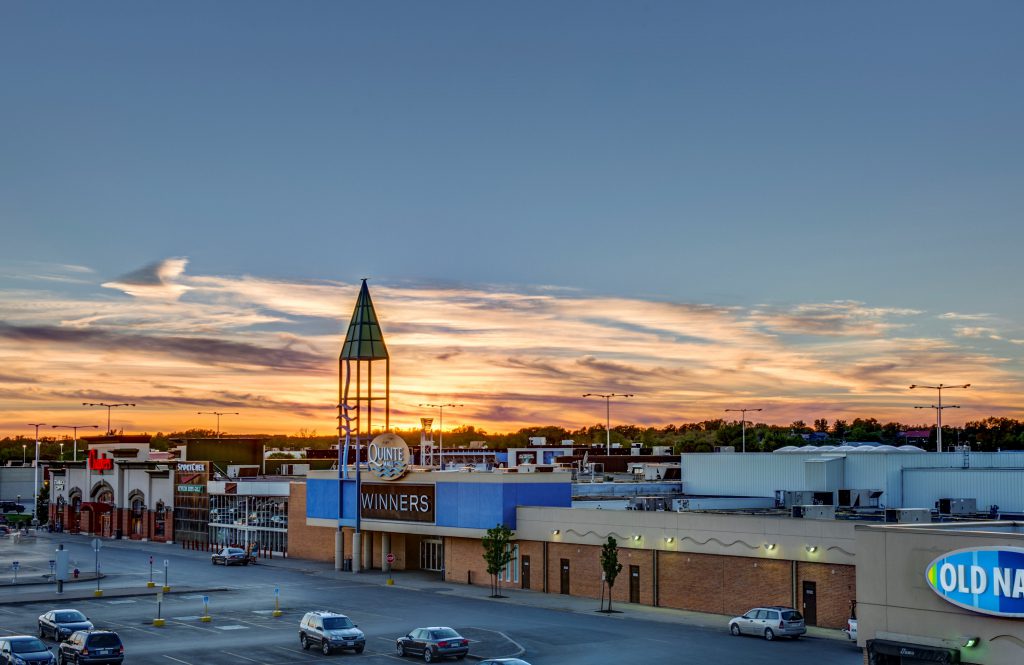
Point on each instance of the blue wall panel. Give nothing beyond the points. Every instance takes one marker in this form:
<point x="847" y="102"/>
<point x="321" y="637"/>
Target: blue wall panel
<point x="322" y="498"/>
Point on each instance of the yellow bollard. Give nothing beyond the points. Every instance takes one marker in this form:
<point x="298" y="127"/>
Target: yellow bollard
<point x="98" y="592"/>
<point x="150" y="584"/>
<point x="277" y="601"/>
<point x="159" y="622"/>
<point x="206" y="610"/>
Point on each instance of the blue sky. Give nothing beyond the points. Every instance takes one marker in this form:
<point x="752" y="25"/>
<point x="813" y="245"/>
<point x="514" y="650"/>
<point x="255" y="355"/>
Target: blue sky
<point x="772" y="157"/>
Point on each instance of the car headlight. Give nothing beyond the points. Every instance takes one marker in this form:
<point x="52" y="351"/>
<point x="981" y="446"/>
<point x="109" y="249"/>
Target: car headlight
<point x="19" y="661"/>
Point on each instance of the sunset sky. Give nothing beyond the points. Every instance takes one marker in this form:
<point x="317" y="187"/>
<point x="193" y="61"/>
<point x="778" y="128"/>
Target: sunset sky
<point x="799" y="206"/>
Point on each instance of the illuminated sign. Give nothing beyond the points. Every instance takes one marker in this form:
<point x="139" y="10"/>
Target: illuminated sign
<point x="97" y="463"/>
<point x="399" y="502"/>
<point x="388" y="456"/>
<point x="989" y="580"/>
<point x="191" y="489"/>
<point x="199" y="467"/>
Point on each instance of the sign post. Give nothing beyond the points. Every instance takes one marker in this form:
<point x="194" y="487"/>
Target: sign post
<point x="97" y="544"/>
<point x="166" y="587"/>
<point x="277" y="601"/>
<point x="159" y="620"/>
<point x="62" y="559"/>
<point x="390" y="558"/>
<point x="15" y="565"/>
<point x="151" y="583"/>
<point x="206" y="610"/>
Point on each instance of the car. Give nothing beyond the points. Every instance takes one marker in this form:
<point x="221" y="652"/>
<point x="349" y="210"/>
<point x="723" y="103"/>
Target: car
<point x="230" y="556"/>
<point x="11" y="507"/>
<point x="330" y="631"/>
<point x="91" y="647"/>
<point x="24" y="650"/>
<point x="433" y="643"/>
<point x="4" y="530"/>
<point x="503" y="661"/>
<point x="769" y="622"/>
<point x="851" y="629"/>
<point x="58" y="624"/>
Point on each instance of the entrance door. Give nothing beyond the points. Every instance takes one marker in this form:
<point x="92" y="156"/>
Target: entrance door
<point x="565" y="577"/>
<point x="634" y="584"/>
<point x="810" y="603"/>
<point x="525" y="573"/>
<point x="432" y="554"/>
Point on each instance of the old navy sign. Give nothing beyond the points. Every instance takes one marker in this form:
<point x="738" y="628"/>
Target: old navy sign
<point x="989" y="580"/>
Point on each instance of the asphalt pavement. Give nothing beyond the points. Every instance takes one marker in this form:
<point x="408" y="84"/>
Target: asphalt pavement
<point x="541" y="628"/>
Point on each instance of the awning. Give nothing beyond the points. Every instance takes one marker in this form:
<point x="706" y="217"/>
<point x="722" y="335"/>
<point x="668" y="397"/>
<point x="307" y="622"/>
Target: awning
<point x="916" y="651"/>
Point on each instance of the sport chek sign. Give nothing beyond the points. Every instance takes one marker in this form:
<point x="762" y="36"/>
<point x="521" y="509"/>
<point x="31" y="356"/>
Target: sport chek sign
<point x="989" y="580"/>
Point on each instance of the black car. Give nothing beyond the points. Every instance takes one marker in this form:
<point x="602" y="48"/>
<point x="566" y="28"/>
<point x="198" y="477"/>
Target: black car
<point x="24" y="650"/>
<point x="230" y="556"/>
<point x="433" y="643"/>
<point x="58" y="624"/>
<point x="91" y="647"/>
<point x="330" y="631"/>
<point x="11" y="507"/>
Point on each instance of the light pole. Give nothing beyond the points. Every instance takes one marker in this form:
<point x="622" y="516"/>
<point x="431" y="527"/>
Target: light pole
<point x="35" y="476"/>
<point x="24" y="450"/>
<point x="608" y="416"/>
<point x="108" y="408"/>
<point x="938" y="408"/>
<point x="744" y="424"/>
<point x="75" y="428"/>
<point x="218" y="414"/>
<point x="440" y="446"/>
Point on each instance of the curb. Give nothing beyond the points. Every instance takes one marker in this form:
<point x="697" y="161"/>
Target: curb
<point x="108" y="594"/>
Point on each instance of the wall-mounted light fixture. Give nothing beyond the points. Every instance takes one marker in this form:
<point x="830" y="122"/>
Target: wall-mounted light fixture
<point x="969" y="642"/>
<point x="769" y="546"/>
<point x="811" y="548"/>
<point x="669" y="539"/>
<point x="636" y="537"/>
<point x="555" y="532"/>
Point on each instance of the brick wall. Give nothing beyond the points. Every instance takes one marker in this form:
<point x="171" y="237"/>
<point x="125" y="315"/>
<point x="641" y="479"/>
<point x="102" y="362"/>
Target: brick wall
<point x="836" y="588"/>
<point x="722" y="584"/>
<point x="464" y="561"/>
<point x="534" y="550"/>
<point x="308" y="542"/>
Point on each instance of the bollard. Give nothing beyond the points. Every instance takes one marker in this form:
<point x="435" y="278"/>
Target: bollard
<point x="277" y="601"/>
<point x="206" y="610"/>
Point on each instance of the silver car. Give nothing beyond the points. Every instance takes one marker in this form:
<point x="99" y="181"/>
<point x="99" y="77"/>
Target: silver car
<point x="769" y="623"/>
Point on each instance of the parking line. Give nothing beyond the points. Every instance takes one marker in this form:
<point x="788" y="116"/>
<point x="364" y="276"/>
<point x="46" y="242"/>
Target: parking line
<point x="178" y="660"/>
<point x="238" y="655"/>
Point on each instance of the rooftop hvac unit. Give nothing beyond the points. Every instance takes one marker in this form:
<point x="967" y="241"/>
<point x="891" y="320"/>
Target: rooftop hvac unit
<point x="908" y="515"/>
<point x="649" y="503"/>
<point x="790" y="498"/>
<point x="957" y="506"/>
<point x="725" y="449"/>
<point x="818" y="512"/>
<point x="859" y="498"/>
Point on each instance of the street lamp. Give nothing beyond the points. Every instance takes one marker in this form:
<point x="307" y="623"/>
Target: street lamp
<point x="440" y="446"/>
<point x="75" y="428"/>
<point x="108" y="407"/>
<point x="938" y="408"/>
<point x="744" y="412"/>
<point x="608" y="415"/>
<point x="24" y="448"/>
<point x="218" y="414"/>
<point x="35" y="474"/>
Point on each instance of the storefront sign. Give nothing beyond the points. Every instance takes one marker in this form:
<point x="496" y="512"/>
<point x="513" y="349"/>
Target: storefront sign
<point x="388" y="456"/>
<point x="400" y="502"/>
<point x="58" y="484"/>
<point x="97" y="463"/>
<point x="190" y="478"/>
<point x="191" y="489"/>
<point x="989" y="580"/>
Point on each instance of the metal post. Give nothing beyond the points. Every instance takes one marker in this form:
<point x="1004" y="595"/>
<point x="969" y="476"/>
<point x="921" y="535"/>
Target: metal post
<point x="938" y="419"/>
<point x="608" y="425"/>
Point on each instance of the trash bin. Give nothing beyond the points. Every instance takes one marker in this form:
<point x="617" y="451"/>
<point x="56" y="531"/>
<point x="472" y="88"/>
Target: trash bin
<point x="118" y="533"/>
<point x="346" y="565"/>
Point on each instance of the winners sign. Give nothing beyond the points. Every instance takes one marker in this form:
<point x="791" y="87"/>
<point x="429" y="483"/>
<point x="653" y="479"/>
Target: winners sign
<point x="403" y="502"/>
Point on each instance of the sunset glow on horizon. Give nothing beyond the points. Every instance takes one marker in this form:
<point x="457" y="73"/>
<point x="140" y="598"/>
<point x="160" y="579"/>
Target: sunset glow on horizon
<point x="177" y="343"/>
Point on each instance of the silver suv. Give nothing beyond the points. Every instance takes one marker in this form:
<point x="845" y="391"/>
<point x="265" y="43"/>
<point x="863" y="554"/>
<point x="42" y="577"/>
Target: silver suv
<point x="329" y="631"/>
<point x="769" y="623"/>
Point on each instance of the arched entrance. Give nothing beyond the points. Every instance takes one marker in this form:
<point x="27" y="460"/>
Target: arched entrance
<point x="101" y="508"/>
<point x="137" y="515"/>
<point x="75" y="516"/>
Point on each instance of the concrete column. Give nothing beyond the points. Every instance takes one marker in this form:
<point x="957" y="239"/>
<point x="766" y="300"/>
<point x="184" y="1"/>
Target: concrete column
<point x="368" y="550"/>
<point x="385" y="547"/>
<point x="357" y="559"/>
<point x="339" y="549"/>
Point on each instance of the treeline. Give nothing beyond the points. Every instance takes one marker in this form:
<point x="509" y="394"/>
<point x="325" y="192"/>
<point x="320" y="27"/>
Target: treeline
<point x="990" y="434"/>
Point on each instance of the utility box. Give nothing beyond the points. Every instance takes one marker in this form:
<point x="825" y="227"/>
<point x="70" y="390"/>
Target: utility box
<point x="957" y="506"/>
<point x="908" y="515"/>
<point x="818" y="512"/>
<point x="859" y="498"/>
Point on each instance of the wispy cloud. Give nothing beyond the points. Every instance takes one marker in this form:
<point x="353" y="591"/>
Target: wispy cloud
<point x="157" y="280"/>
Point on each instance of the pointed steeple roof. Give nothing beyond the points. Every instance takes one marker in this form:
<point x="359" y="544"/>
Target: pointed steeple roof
<point x="364" y="340"/>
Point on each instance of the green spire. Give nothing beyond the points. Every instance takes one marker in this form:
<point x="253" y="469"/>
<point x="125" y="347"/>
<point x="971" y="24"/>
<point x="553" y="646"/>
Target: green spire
<point x="364" y="340"/>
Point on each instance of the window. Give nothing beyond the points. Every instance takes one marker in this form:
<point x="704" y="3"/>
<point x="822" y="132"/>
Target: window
<point x="511" y="571"/>
<point x="337" y="623"/>
<point x="773" y="616"/>
<point x="762" y="614"/>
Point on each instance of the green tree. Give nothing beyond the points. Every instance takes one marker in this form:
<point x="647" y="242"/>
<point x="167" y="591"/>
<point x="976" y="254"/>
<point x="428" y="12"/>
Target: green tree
<point x="497" y="554"/>
<point x="610" y="566"/>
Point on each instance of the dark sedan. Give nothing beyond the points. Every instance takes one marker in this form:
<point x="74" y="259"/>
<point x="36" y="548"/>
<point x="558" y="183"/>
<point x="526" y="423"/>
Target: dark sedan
<point x="58" y="624"/>
<point x="230" y="556"/>
<point x="433" y="643"/>
<point x="24" y="650"/>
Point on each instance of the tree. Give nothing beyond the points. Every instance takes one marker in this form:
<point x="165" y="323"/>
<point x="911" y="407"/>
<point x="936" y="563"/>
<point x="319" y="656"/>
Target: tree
<point x="610" y="566"/>
<point x="497" y="554"/>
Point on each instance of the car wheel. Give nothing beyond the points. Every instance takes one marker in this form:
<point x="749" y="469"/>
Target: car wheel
<point x="42" y="633"/>
<point x="325" y="647"/>
<point x="303" y="641"/>
<point x="401" y="650"/>
<point x="460" y="656"/>
<point x="358" y="649"/>
<point x="734" y="629"/>
<point x="769" y="634"/>
<point x="427" y="655"/>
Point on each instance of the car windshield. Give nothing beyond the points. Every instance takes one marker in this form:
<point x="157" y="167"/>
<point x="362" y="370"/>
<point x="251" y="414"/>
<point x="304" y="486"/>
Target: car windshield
<point x="69" y="617"/>
<point x="791" y="615"/>
<point x="27" y="646"/>
<point x="104" y="640"/>
<point x="235" y="550"/>
<point x="337" y="623"/>
<point x="443" y="634"/>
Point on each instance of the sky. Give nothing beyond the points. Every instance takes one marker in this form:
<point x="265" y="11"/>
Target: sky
<point x="799" y="206"/>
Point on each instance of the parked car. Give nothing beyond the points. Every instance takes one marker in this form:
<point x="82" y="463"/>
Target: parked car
<point x="329" y="631"/>
<point x="769" y="623"/>
<point x="4" y="530"/>
<point x="433" y="643"/>
<point x="91" y="647"/>
<point x="24" y="650"/>
<point x="230" y="556"/>
<point x="851" y="629"/>
<point x="503" y="661"/>
<point x="11" y="507"/>
<point x="58" y="624"/>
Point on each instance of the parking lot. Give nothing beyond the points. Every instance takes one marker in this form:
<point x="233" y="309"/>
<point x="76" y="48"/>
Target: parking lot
<point x="243" y="629"/>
